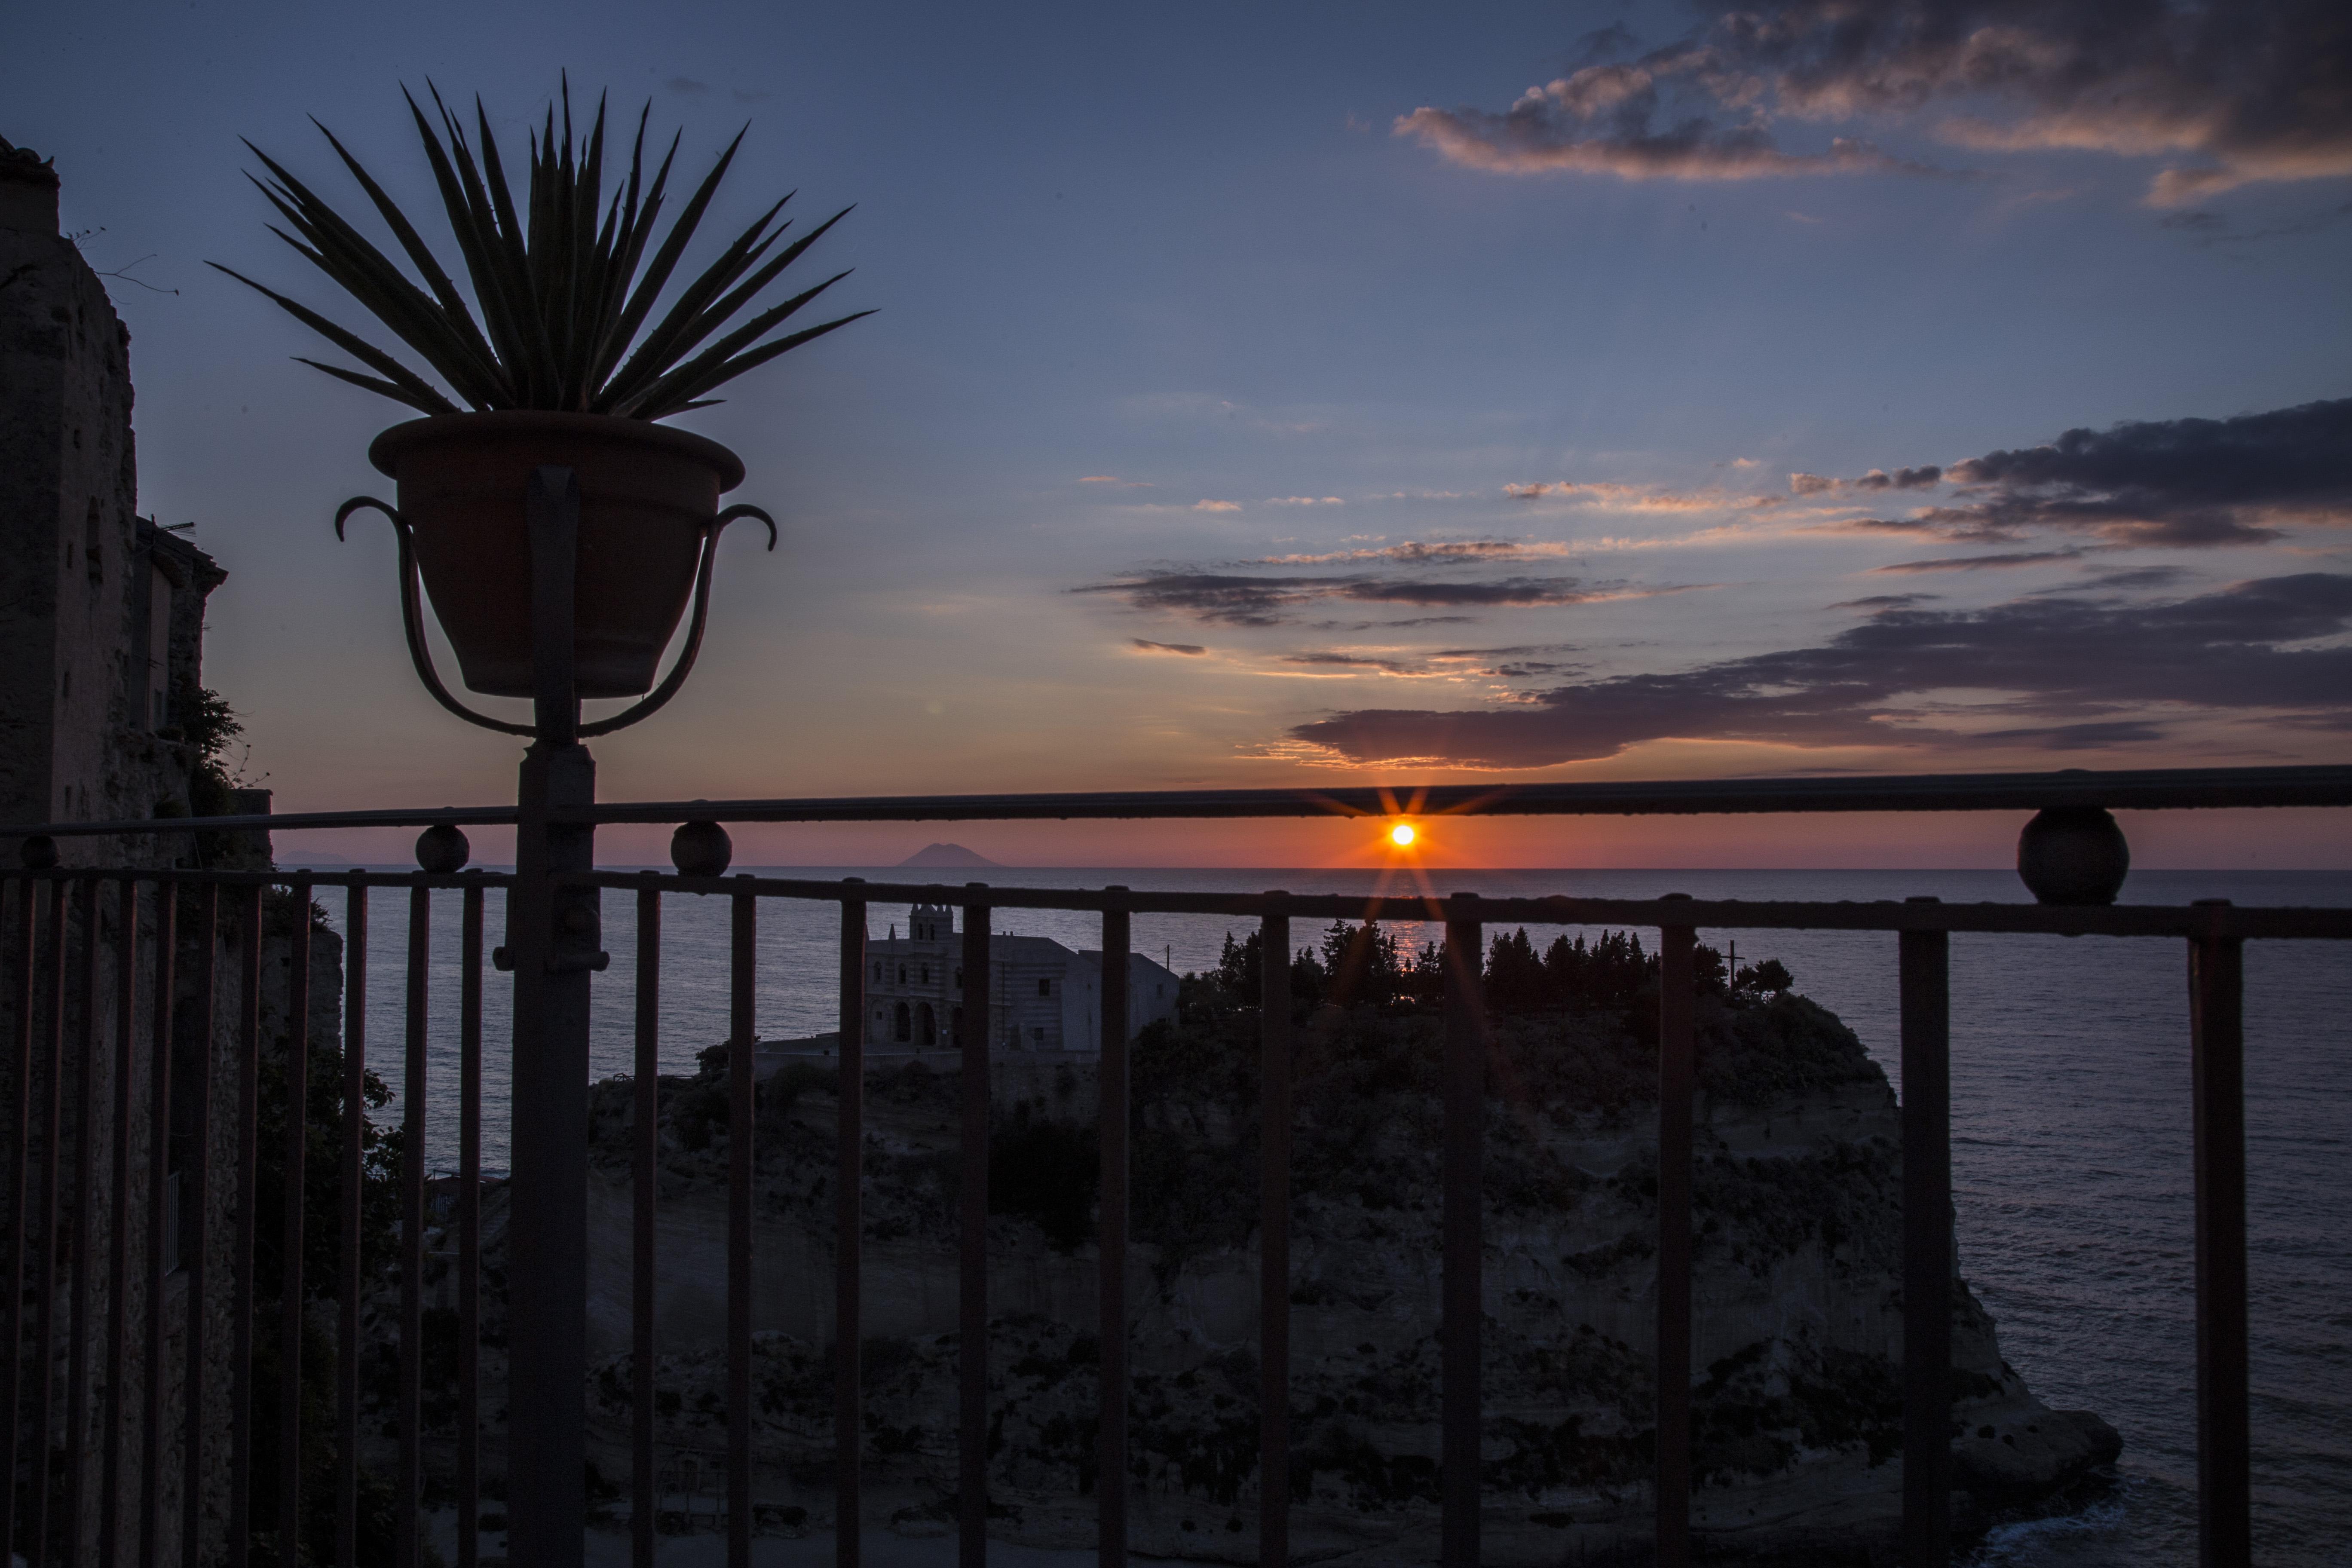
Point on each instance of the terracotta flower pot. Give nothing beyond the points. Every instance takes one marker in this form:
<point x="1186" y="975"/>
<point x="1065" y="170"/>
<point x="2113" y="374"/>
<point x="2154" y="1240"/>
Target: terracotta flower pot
<point x="646" y="492"/>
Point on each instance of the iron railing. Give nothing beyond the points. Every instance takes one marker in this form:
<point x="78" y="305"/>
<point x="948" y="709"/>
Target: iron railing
<point x="117" y="1436"/>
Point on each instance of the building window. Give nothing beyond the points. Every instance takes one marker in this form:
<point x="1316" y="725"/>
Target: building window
<point x="92" y="554"/>
<point x="1036" y="1034"/>
<point x="927" y="974"/>
<point x="930" y="1025"/>
<point x="1044" y="988"/>
<point x="902" y="974"/>
<point x="878" y="975"/>
<point x="904" y="1022"/>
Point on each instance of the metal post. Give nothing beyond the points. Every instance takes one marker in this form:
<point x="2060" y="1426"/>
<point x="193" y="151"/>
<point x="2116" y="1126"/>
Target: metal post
<point x="1927" y="1247"/>
<point x="1273" y="1238"/>
<point x="849" y="1168"/>
<point x="116" y="1417"/>
<point x="1464" y="1089"/>
<point x="348" y="1213"/>
<point x="408" y="1400"/>
<point x="972" y="1315"/>
<point x="645" y="1172"/>
<point x="293" y="1185"/>
<point x="469" y="1226"/>
<point x="77" y="1389"/>
<point x="50" y="1109"/>
<point x="248" y="1162"/>
<point x="18" y="1111"/>
<point x="195" y="1229"/>
<point x="551" y="944"/>
<point x="1110" y="1442"/>
<point x="1678" y="1081"/>
<point x="742" y="1106"/>
<point x="2217" y="1066"/>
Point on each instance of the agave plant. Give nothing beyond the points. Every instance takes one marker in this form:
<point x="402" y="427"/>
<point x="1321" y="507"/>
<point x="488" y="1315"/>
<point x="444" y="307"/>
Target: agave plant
<point x="564" y="296"/>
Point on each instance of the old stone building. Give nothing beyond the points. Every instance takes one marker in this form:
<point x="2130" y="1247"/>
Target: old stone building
<point x="1041" y="995"/>
<point x="101" y="612"/>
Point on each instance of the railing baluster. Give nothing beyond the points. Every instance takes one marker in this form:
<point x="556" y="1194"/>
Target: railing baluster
<point x="849" y="1221"/>
<point x="293" y="1186"/>
<point x="347" y="1345"/>
<point x="972" y="1307"/>
<point x="469" y="1227"/>
<point x="741" y="1089"/>
<point x="196" y="1190"/>
<point x="20" y="1168"/>
<point x="1677" y="1080"/>
<point x="115" y="1422"/>
<point x="1110" y="1444"/>
<point x="646" y="1173"/>
<point x="407" y="1545"/>
<point x="1926" y="963"/>
<point x="1273" y="1238"/>
<point x="77" y="1389"/>
<point x="162" y="1018"/>
<point x="2216" y="1058"/>
<point x="46" y="1277"/>
<point x="1464" y="1281"/>
<point x="249" y="1159"/>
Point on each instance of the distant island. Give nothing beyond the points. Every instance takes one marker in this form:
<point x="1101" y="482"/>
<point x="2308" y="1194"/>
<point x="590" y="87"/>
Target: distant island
<point x="946" y="855"/>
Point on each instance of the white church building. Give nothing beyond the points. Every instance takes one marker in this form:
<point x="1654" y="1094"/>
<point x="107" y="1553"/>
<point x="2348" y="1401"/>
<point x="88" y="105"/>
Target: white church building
<point x="1041" y="995"/>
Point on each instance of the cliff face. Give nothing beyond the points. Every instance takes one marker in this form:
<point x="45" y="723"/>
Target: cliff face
<point x="1798" y="1329"/>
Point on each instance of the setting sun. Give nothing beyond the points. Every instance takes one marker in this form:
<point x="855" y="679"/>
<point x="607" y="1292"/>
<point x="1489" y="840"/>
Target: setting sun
<point x="1403" y="835"/>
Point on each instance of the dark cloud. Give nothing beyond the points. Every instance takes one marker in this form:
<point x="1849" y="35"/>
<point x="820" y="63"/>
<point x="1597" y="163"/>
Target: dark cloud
<point x="1981" y="562"/>
<point x="2225" y="92"/>
<point x="1191" y="649"/>
<point x="1414" y="552"/>
<point x="2064" y="661"/>
<point x="687" y="85"/>
<point x="2139" y="577"/>
<point x="1348" y="661"/>
<point x="2177" y="483"/>
<point x="1265" y="601"/>
<point x="1887" y="602"/>
<point x="2091" y="737"/>
<point x="1874" y="480"/>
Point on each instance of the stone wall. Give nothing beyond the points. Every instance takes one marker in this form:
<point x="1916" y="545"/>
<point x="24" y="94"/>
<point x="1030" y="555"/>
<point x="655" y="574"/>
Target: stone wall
<point x="79" y="736"/>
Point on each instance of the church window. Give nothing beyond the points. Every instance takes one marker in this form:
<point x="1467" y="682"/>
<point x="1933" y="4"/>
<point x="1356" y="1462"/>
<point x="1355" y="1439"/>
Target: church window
<point x="1044" y="988"/>
<point x="904" y="1024"/>
<point x="930" y="1025"/>
<point x="902" y="974"/>
<point x="927" y="974"/>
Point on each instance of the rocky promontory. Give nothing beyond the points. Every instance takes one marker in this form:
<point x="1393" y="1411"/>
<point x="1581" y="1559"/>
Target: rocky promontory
<point x="1797" y="1316"/>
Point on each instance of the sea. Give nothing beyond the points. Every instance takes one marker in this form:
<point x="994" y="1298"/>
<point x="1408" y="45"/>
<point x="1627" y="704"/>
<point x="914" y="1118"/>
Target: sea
<point x="2071" y="1138"/>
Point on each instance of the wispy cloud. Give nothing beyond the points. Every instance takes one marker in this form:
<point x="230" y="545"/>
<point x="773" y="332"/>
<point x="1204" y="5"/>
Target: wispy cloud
<point x="1144" y="645"/>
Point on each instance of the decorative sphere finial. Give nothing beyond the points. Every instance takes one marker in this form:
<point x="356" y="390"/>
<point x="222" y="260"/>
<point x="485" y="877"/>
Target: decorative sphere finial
<point x="701" y="850"/>
<point x="2073" y="855"/>
<point x="442" y="849"/>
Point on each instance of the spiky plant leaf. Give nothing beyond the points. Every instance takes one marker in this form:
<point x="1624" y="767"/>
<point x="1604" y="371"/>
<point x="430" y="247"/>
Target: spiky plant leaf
<point x="562" y="281"/>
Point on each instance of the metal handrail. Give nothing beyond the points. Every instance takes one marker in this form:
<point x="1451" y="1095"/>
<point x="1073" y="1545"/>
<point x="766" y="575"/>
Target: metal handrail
<point x="2136" y="789"/>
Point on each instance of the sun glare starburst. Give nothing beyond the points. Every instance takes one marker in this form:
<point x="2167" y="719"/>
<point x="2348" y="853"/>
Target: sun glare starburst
<point x="1403" y="835"/>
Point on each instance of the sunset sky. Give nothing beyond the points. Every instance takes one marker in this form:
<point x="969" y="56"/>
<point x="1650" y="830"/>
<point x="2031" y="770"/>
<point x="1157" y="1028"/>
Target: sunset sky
<point x="1306" y="393"/>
